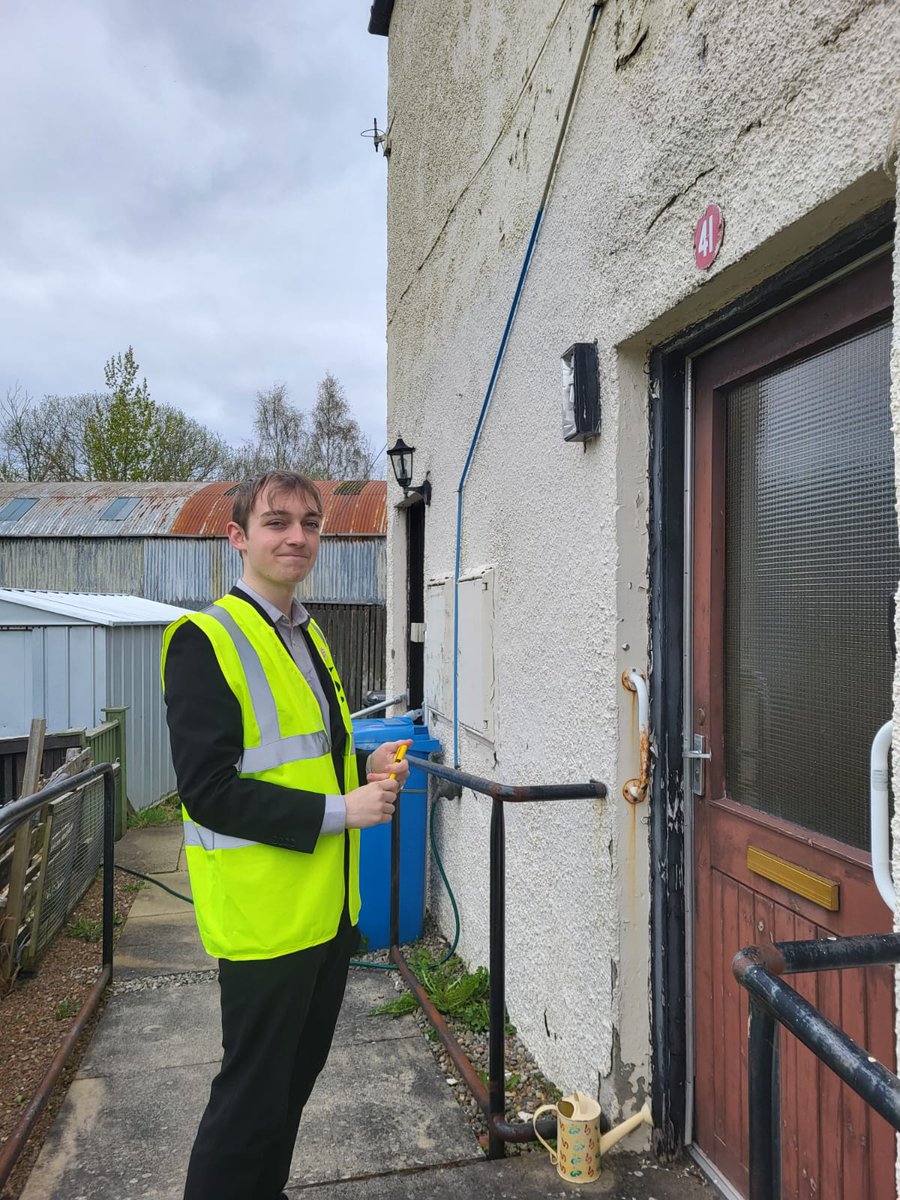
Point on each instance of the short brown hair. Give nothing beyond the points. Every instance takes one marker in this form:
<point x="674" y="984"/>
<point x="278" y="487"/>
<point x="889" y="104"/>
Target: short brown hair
<point x="272" y="483"/>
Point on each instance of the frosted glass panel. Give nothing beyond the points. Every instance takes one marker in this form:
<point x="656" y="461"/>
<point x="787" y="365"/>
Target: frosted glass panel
<point x="812" y="564"/>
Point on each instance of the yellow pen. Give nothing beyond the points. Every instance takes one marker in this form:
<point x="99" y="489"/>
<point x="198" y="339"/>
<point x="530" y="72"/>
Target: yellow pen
<point x="399" y="757"/>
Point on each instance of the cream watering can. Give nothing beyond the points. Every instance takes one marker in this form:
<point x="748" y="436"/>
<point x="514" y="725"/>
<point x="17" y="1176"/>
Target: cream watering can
<point x="579" y="1142"/>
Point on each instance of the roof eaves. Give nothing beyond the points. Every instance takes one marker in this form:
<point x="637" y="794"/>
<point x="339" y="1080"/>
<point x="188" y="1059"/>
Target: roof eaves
<point x="380" y="17"/>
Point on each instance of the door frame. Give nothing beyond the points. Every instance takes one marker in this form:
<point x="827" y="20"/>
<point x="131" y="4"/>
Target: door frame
<point x="670" y="552"/>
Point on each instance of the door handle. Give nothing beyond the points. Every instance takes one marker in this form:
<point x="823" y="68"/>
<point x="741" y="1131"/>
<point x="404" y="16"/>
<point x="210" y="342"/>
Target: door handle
<point x="698" y="756"/>
<point x="879" y="814"/>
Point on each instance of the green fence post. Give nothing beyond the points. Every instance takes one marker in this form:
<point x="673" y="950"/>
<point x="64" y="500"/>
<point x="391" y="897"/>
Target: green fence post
<point x="117" y="714"/>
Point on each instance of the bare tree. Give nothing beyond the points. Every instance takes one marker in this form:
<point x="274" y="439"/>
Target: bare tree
<point x="337" y="447"/>
<point x="42" y="440"/>
<point x="279" y="441"/>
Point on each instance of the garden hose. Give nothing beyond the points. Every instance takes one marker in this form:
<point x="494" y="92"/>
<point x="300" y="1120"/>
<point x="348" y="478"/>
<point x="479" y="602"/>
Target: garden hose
<point x="372" y="966"/>
<point x="149" y="878"/>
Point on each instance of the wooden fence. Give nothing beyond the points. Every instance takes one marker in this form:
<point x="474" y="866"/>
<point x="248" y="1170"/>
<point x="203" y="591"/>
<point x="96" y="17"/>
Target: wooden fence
<point x="356" y="635"/>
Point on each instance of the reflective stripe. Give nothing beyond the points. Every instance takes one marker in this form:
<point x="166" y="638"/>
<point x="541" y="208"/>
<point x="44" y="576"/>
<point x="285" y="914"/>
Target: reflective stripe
<point x="261" y="697"/>
<point x="208" y="839"/>
<point x="285" y="750"/>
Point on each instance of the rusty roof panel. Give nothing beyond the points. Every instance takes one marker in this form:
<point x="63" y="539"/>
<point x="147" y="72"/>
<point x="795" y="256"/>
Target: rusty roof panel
<point x="361" y="512"/>
<point x="180" y="509"/>
<point x="206" y="513"/>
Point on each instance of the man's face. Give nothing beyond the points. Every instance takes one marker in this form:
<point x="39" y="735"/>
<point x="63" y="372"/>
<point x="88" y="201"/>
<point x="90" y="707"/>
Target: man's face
<point x="281" y="541"/>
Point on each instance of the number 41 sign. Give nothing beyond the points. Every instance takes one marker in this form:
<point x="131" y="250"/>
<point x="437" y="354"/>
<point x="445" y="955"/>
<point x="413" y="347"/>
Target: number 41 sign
<point x="708" y="237"/>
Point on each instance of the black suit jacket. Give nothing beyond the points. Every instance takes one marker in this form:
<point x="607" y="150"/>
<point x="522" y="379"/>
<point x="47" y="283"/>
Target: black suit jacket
<point x="206" y="734"/>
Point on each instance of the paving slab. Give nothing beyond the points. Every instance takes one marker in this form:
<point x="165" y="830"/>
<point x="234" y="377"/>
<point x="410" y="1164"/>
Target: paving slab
<point x="165" y="944"/>
<point x="152" y="850"/>
<point x="126" y="1127"/>
<point x="153" y="901"/>
<point x="525" y="1177"/>
<point x="383" y="1123"/>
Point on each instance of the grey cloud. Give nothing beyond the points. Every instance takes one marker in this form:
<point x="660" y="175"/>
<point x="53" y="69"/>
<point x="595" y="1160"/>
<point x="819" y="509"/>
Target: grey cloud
<point x="189" y="179"/>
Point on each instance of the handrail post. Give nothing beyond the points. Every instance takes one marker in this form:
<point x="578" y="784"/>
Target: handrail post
<point x="764" y="1103"/>
<point x="109" y="837"/>
<point x="497" y="1034"/>
<point x="395" y="876"/>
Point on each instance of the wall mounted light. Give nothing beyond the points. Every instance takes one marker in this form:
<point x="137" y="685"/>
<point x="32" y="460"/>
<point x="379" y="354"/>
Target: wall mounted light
<point x="401" y="457"/>
<point x="581" y="392"/>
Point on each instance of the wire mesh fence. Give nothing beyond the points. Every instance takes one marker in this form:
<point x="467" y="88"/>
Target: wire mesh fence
<point x="73" y="849"/>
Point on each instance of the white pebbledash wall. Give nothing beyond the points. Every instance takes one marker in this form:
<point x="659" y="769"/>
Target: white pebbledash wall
<point x="782" y="114"/>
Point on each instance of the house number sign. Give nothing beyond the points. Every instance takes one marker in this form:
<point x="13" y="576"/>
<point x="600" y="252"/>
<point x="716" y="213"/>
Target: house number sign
<point x="708" y="237"/>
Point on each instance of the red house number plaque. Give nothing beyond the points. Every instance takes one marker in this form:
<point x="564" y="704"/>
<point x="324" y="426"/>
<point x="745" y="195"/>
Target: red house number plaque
<point x="708" y="237"/>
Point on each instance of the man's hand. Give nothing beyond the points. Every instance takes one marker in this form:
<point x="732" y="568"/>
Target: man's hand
<point x="371" y="804"/>
<point x="382" y="765"/>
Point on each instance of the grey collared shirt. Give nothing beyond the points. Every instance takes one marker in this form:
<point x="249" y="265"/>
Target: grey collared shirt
<point x="290" y="630"/>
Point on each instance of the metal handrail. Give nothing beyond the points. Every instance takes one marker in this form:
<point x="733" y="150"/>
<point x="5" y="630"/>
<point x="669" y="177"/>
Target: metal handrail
<point x="758" y="970"/>
<point x="382" y="704"/>
<point x="491" y="1099"/>
<point x="11" y="817"/>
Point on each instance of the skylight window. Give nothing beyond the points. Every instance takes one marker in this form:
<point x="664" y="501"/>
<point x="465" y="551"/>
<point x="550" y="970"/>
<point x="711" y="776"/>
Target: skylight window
<point x="17" y="508"/>
<point x="120" y="509"/>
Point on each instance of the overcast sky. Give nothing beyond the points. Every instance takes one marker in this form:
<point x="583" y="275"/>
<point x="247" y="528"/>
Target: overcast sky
<point x="187" y="177"/>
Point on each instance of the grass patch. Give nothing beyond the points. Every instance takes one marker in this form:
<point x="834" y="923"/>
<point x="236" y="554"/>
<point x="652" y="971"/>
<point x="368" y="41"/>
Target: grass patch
<point x="167" y="812"/>
<point x="137" y="886"/>
<point x="454" y="991"/>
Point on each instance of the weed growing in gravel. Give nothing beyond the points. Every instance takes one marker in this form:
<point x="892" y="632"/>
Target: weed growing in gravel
<point x="137" y="886"/>
<point x="87" y="930"/>
<point x="66" y="1008"/>
<point x="454" y="991"/>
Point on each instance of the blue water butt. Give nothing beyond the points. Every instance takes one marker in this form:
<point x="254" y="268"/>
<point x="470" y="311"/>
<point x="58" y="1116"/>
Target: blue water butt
<point x="375" y="843"/>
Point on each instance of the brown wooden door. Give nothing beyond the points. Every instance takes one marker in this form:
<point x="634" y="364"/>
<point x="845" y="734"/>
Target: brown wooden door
<point x="795" y="562"/>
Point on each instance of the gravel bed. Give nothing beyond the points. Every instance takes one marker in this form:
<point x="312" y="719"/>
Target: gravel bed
<point x="37" y="1013"/>
<point x="526" y="1087"/>
<point x="172" y="979"/>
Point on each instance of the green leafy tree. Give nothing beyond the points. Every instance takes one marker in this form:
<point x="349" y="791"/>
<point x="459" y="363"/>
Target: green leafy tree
<point x="124" y="427"/>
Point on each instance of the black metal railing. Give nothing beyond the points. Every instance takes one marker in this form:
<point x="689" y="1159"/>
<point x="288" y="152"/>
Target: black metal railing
<point x="491" y="1099"/>
<point x="12" y="815"/>
<point x="759" y="970"/>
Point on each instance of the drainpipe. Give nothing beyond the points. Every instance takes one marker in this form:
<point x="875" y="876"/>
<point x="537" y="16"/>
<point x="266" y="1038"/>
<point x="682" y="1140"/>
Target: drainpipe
<point x="532" y="241"/>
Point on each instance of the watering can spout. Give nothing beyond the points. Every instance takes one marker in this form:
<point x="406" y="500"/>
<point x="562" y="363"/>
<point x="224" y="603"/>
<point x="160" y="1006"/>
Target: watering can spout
<point x="608" y="1140"/>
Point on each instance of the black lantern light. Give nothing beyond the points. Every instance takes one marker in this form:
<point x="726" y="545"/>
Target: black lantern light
<point x="401" y="457"/>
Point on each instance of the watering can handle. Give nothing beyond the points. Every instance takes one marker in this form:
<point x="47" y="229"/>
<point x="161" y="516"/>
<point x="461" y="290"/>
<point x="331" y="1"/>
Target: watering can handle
<point x="545" y="1108"/>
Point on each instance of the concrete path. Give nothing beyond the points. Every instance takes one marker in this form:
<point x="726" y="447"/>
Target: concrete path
<point x="383" y="1123"/>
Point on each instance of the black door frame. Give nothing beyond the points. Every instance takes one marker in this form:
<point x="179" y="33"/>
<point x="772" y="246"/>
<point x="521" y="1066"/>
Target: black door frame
<point x="669" y="984"/>
<point x="415" y="603"/>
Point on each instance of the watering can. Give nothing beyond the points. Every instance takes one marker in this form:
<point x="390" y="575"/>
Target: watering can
<point x="579" y="1142"/>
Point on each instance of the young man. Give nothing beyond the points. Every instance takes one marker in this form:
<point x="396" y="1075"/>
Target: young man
<point x="263" y="752"/>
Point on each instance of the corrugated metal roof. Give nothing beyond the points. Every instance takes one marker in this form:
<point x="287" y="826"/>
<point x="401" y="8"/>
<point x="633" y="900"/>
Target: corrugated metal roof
<point x="93" y="607"/>
<point x="76" y="509"/>
<point x="180" y="509"/>
<point x="351" y="509"/>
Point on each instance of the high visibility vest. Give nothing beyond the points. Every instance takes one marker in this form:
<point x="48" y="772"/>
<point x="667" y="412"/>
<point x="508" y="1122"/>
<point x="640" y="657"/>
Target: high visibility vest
<point x="255" y="901"/>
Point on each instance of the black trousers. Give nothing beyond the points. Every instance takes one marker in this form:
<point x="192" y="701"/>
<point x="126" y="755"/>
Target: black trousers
<point x="278" y="1019"/>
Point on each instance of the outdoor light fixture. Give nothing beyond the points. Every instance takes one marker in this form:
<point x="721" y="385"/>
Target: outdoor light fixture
<point x="401" y="457"/>
<point x="581" y="392"/>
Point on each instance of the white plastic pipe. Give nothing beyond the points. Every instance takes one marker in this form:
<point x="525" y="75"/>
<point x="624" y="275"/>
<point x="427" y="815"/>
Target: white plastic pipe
<point x="879" y="814"/>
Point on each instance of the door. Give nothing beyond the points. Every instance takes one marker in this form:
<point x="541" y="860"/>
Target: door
<point x="794" y="565"/>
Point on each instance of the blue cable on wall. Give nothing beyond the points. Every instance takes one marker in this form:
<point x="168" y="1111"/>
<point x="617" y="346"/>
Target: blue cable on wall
<point x="595" y="12"/>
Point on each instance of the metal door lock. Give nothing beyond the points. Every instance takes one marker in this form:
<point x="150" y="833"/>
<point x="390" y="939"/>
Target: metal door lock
<point x="698" y="756"/>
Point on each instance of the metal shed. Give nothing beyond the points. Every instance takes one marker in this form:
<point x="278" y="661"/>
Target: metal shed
<point x="166" y="542"/>
<point x="66" y="656"/>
